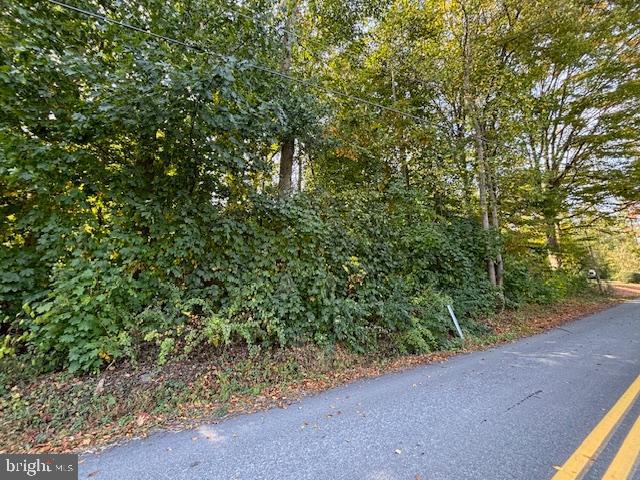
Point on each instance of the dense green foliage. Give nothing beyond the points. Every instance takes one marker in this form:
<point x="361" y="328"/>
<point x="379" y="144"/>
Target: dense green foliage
<point x="137" y="201"/>
<point x="616" y="250"/>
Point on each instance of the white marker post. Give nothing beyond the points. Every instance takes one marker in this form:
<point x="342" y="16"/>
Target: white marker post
<point x="455" y="321"/>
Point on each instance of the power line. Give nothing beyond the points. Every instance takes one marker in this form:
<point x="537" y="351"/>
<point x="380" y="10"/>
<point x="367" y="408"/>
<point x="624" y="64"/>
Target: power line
<point x="250" y="64"/>
<point x="132" y="27"/>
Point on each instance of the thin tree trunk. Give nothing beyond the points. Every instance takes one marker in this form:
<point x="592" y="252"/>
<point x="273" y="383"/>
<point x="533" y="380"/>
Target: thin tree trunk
<point x="467" y="180"/>
<point x="402" y="157"/>
<point x="470" y="108"/>
<point x="404" y="168"/>
<point x="286" y="166"/>
<point x="552" y="235"/>
<point x="496" y="226"/>
<point x="553" y="244"/>
<point x="482" y="193"/>
<point x="287" y="148"/>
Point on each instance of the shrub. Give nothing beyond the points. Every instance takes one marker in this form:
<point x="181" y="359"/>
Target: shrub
<point x="528" y="280"/>
<point x="270" y="272"/>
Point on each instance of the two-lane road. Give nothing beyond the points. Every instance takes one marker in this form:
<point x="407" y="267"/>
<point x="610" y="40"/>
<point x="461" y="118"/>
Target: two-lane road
<point x="560" y="404"/>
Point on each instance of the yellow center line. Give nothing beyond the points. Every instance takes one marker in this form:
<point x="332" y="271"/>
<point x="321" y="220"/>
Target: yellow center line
<point x="577" y="463"/>
<point x="627" y="456"/>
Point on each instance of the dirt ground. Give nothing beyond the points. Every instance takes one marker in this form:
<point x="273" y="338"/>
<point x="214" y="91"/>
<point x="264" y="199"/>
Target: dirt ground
<point x="625" y="290"/>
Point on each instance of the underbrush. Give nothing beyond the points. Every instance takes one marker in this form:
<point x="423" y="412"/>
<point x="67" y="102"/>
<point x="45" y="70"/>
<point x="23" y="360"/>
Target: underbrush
<point x="359" y="270"/>
<point x="181" y="277"/>
<point x="60" y="411"/>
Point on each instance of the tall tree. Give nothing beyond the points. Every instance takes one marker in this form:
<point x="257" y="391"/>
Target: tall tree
<point x="287" y="148"/>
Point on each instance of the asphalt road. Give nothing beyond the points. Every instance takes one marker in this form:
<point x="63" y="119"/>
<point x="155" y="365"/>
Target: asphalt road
<point x="513" y="412"/>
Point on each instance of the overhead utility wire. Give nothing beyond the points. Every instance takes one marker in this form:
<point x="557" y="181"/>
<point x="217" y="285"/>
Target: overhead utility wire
<point x="253" y="65"/>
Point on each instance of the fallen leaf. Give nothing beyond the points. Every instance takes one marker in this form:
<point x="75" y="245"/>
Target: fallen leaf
<point x="99" y="387"/>
<point x="142" y="418"/>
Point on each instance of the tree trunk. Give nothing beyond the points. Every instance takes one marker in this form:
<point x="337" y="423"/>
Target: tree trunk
<point x="286" y="167"/>
<point x="404" y="168"/>
<point x="482" y="193"/>
<point x="300" y="172"/>
<point x="552" y="236"/>
<point x="288" y="143"/>
<point x="402" y="157"/>
<point x="469" y="103"/>
<point x="467" y="178"/>
<point x="551" y="207"/>
<point x="553" y="243"/>
<point x="496" y="226"/>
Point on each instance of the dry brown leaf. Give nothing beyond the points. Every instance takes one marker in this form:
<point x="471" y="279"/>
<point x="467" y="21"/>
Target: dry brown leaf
<point x="142" y="418"/>
<point x="99" y="387"/>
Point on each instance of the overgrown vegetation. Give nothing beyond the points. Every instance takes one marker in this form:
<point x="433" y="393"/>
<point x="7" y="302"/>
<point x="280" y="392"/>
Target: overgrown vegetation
<point x="63" y="412"/>
<point x="140" y="218"/>
<point x="616" y="250"/>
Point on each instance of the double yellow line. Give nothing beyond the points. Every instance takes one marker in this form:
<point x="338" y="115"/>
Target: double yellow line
<point x="622" y="465"/>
